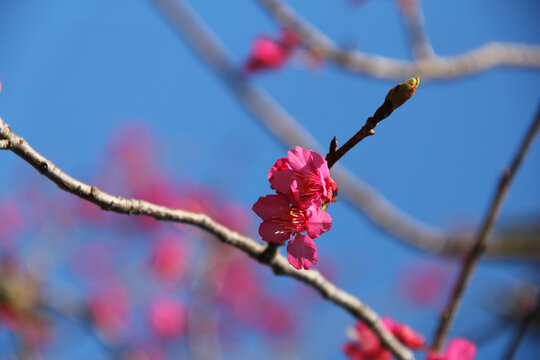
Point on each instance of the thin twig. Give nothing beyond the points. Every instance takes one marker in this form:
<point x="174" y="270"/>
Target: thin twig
<point x="367" y="130"/>
<point x="287" y="130"/>
<point x="279" y="264"/>
<point x="396" y="97"/>
<point x="472" y="258"/>
<point x="527" y="321"/>
<point x="482" y="58"/>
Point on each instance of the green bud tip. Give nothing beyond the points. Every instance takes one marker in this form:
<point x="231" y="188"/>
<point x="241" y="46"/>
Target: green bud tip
<point x="402" y="92"/>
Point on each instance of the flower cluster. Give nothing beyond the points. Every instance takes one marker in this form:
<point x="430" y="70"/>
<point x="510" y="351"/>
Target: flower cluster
<point x="268" y="53"/>
<point x="457" y="349"/>
<point x="304" y="187"/>
<point x="367" y="346"/>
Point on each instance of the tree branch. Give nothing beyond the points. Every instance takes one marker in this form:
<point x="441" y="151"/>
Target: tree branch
<point x="472" y="258"/>
<point x="480" y="59"/>
<point x="396" y="97"/>
<point x="286" y="129"/>
<point x="525" y="323"/>
<point x="277" y="263"/>
<point x="413" y="18"/>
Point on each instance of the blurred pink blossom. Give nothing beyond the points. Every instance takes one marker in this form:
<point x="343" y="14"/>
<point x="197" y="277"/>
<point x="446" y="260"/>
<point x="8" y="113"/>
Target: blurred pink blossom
<point x="167" y="317"/>
<point x="12" y="223"/>
<point x="109" y="308"/>
<point x="169" y="258"/>
<point x="268" y="53"/>
<point x="457" y="349"/>
<point x="367" y="346"/>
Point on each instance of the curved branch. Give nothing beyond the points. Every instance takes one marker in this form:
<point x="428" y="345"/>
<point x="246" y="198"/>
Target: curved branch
<point x="482" y="58"/>
<point x="413" y="19"/>
<point x="473" y="256"/>
<point x="287" y="130"/>
<point x="277" y="263"/>
<point x="528" y="319"/>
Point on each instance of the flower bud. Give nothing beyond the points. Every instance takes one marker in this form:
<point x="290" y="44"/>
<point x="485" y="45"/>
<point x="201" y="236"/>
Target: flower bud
<point x="402" y="92"/>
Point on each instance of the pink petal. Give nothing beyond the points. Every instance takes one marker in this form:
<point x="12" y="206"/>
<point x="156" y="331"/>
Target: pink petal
<point x="436" y="356"/>
<point x="274" y="231"/>
<point x="384" y="355"/>
<point x="353" y="351"/>
<point x="320" y="164"/>
<point x="408" y="336"/>
<point x="268" y="52"/>
<point x="299" y="158"/>
<point x="388" y="323"/>
<point x="271" y="206"/>
<point x="460" y="349"/>
<point x="289" y="38"/>
<point x="368" y="341"/>
<point x="167" y="317"/>
<point x="302" y="252"/>
<point x="282" y="180"/>
<point x="280" y="164"/>
<point x="318" y="222"/>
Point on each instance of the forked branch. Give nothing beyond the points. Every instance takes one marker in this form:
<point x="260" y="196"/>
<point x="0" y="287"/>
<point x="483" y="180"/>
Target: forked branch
<point x="290" y="132"/>
<point x="472" y="258"/>
<point x="481" y="59"/>
<point x="278" y="263"/>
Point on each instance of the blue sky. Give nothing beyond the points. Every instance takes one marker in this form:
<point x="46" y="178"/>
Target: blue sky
<point x="74" y="71"/>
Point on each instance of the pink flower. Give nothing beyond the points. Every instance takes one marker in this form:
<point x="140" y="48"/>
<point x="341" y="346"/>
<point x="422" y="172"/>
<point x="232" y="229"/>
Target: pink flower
<point x="457" y="349"/>
<point x="405" y="334"/>
<point x="169" y="258"/>
<point x="281" y="220"/>
<point x="167" y="317"/>
<point x="12" y="223"/>
<point x="310" y="172"/>
<point x="303" y="183"/>
<point x="268" y="53"/>
<point x="367" y="346"/>
<point x="302" y="252"/>
<point x="109" y="309"/>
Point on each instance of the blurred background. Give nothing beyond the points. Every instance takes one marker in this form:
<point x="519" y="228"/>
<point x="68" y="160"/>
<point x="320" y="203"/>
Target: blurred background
<point x="112" y="95"/>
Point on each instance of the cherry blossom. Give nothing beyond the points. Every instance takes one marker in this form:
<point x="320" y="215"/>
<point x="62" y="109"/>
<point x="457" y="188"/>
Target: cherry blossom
<point x="167" y="317"/>
<point x="405" y="334"/>
<point x="309" y="170"/>
<point x="169" y="258"/>
<point x="268" y="53"/>
<point x="367" y="346"/>
<point x="109" y="308"/>
<point x="457" y="349"/>
<point x="281" y="220"/>
<point x="304" y="186"/>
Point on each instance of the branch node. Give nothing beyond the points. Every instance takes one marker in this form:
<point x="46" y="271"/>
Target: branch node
<point x="43" y="167"/>
<point x="269" y="253"/>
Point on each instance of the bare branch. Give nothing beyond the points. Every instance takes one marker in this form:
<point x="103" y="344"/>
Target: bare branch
<point x="396" y="97"/>
<point x="413" y="17"/>
<point x="525" y="323"/>
<point x="483" y="58"/>
<point x="277" y="263"/>
<point x="472" y="258"/>
<point x="287" y="130"/>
